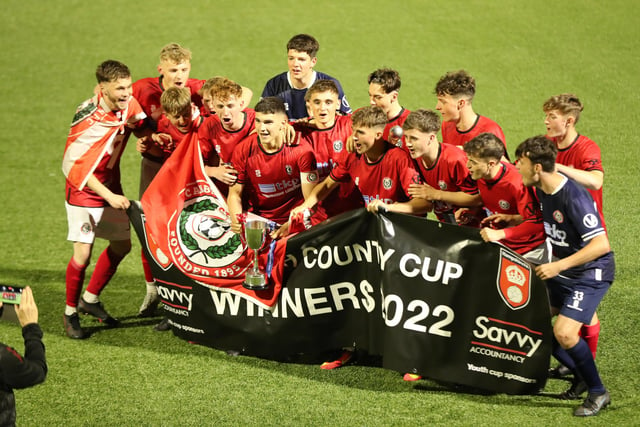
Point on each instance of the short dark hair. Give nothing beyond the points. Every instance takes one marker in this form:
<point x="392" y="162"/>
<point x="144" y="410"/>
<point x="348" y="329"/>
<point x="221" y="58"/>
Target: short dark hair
<point x="304" y="43"/>
<point x="426" y="121"/>
<point x="112" y="70"/>
<point x="387" y="78"/>
<point x="271" y="105"/>
<point x="370" y="116"/>
<point x="176" y="101"/>
<point x="540" y="150"/>
<point x="457" y="84"/>
<point x="567" y="103"/>
<point x="322" y="86"/>
<point x="485" y="146"/>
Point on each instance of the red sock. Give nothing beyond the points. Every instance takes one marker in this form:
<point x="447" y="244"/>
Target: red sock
<point x="148" y="276"/>
<point x="591" y="334"/>
<point x="104" y="271"/>
<point x="74" y="280"/>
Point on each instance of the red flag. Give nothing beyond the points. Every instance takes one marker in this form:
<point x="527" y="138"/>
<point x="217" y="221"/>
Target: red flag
<point x="188" y="225"/>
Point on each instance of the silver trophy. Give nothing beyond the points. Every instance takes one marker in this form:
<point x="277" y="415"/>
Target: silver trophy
<point x="255" y="232"/>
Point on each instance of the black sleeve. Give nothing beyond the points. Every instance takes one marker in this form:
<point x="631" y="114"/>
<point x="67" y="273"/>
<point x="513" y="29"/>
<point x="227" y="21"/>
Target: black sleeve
<point x="22" y="372"/>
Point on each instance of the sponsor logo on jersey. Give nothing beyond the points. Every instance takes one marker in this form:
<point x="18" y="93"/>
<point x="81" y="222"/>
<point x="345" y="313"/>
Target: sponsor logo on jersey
<point x="557" y="215"/>
<point x="387" y="183"/>
<point x="267" y="188"/>
<point x="514" y="280"/>
<point x="276" y="189"/>
<point x="590" y="221"/>
<point x="504" y="205"/>
<point x="556" y="235"/>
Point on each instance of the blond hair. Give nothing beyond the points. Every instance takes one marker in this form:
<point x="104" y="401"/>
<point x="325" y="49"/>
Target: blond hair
<point x="175" y="53"/>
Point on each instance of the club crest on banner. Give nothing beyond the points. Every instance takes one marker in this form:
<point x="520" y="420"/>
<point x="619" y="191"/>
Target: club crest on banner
<point x="200" y="237"/>
<point x="514" y="280"/>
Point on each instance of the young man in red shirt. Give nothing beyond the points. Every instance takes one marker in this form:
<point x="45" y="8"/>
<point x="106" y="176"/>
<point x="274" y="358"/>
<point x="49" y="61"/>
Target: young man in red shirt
<point x="443" y="167"/>
<point x="381" y="171"/>
<point x="94" y="198"/>
<point x="514" y="216"/>
<point x="275" y="177"/>
<point x="460" y="123"/>
<point x="327" y="133"/>
<point x="180" y="117"/>
<point x="384" y="88"/>
<point x="230" y="123"/>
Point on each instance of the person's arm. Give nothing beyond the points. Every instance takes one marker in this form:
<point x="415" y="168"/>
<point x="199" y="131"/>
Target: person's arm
<point x="317" y="194"/>
<point x="596" y="247"/>
<point x="224" y="173"/>
<point x="21" y="372"/>
<point x="116" y="201"/>
<point x="152" y="144"/>
<point x="591" y="180"/>
<point x="415" y="206"/>
<point x="456" y="198"/>
<point x="309" y="181"/>
<point x="234" y="203"/>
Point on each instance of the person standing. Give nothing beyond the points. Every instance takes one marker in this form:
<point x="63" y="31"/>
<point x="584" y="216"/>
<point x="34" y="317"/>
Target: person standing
<point x="460" y="123"/>
<point x="578" y="158"/>
<point x="18" y="371"/>
<point x="583" y="266"/>
<point x="94" y="198"/>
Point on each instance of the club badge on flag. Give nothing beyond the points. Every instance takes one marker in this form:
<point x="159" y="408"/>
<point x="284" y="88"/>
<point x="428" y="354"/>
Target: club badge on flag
<point x="187" y="224"/>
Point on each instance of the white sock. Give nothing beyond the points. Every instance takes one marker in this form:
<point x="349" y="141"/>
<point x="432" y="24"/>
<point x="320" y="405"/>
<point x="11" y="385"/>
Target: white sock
<point x="90" y="298"/>
<point x="69" y="311"/>
<point x="152" y="289"/>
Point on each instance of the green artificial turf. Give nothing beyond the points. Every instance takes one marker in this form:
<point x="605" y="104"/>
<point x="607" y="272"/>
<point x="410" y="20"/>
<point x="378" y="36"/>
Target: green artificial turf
<point x="520" y="53"/>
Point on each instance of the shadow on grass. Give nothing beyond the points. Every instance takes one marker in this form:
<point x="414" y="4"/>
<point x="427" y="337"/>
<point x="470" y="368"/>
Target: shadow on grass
<point x="122" y="300"/>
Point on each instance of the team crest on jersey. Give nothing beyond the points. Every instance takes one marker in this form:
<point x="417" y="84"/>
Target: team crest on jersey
<point x="288" y="169"/>
<point x="258" y="173"/>
<point x="337" y="146"/>
<point x="504" y="205"/>
<point x="442" y="185"/>
<point x="200" y="236"/>
<point x="557" y="215"/>
<point x="387" y="183"/>
<point x="514" y="280"/>
<point x="590" y="221"/>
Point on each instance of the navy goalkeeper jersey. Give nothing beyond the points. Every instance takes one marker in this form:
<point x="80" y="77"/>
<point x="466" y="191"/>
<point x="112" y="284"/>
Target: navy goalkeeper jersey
<point x="280" y="86"/>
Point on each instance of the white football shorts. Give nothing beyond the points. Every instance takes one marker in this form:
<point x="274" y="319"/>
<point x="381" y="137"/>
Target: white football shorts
<point x="85" y="224"/>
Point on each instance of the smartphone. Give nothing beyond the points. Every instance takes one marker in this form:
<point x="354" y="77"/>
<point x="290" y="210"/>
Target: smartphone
<point x="10" y="294"/>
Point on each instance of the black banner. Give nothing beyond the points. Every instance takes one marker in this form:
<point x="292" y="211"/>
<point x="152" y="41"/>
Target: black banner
<point x="430" y="298"/>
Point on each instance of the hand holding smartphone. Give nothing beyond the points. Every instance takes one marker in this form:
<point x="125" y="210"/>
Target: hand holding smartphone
<point x="10" y="294"/>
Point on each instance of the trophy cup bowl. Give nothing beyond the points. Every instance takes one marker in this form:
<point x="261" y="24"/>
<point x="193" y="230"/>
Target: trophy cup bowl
<point x="255" y="232"/>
